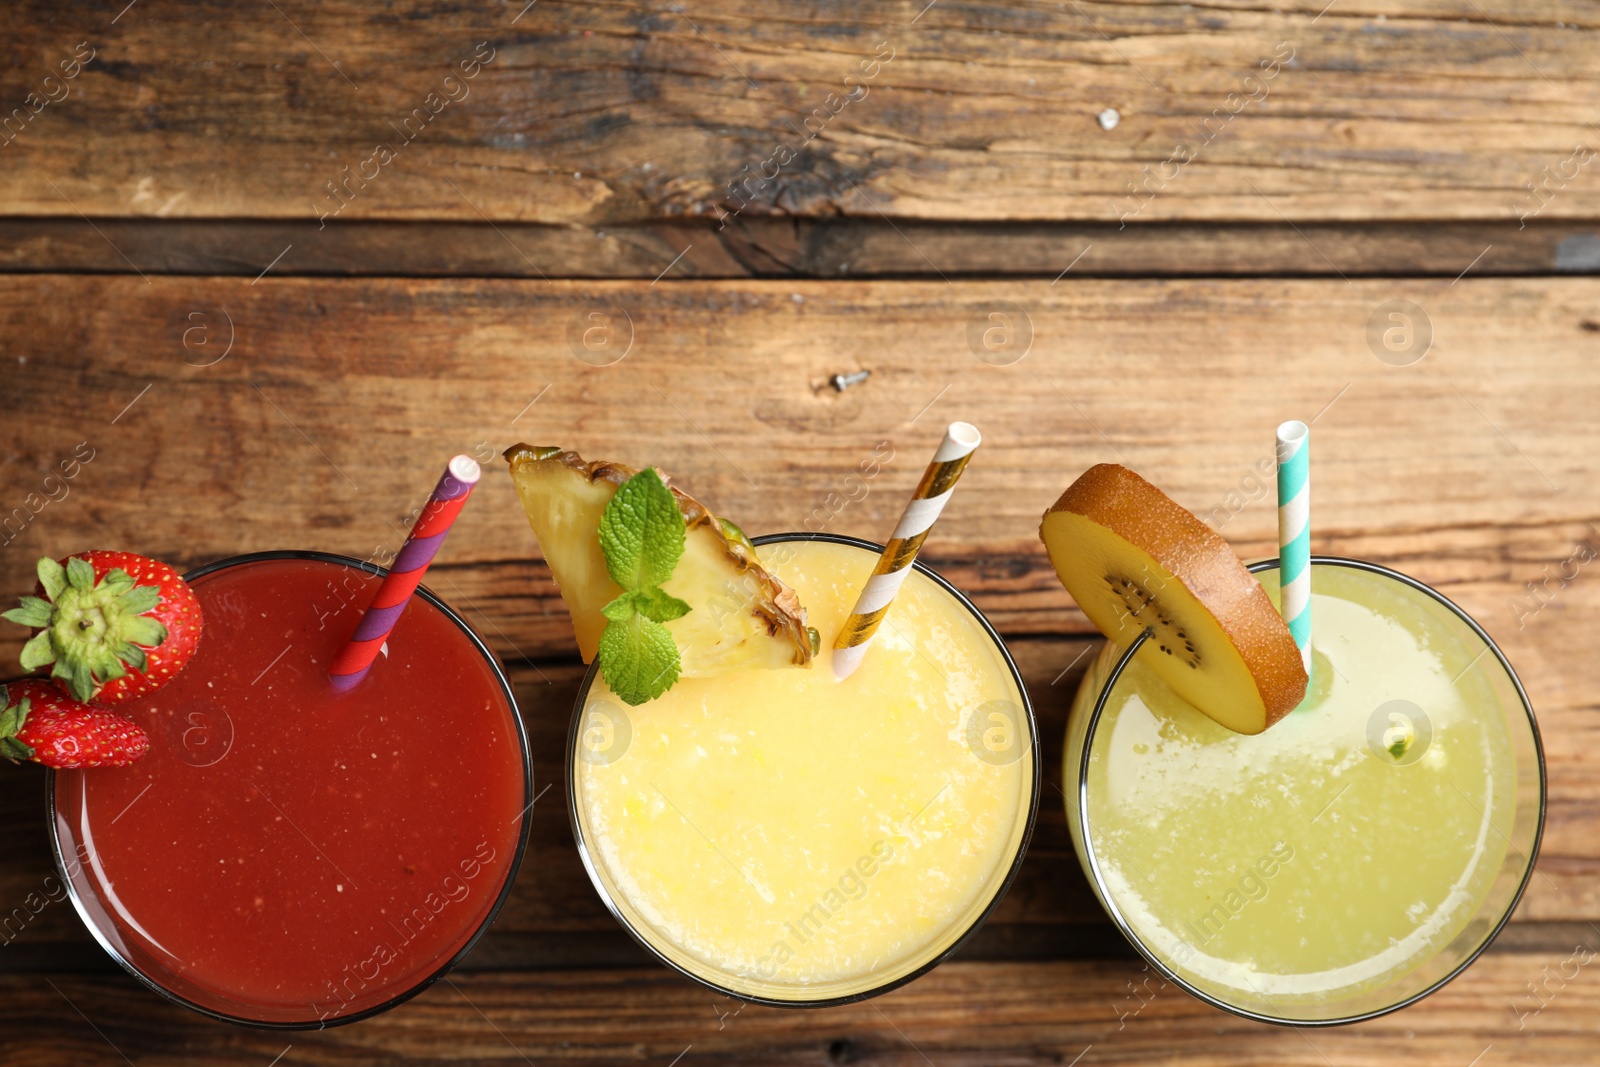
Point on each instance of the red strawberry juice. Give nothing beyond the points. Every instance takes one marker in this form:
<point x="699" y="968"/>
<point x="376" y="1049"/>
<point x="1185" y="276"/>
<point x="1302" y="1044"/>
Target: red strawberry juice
<point x="290" y="855"/>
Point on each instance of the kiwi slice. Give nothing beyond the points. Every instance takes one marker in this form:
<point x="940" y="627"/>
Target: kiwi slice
<point x="1134" y="559"/>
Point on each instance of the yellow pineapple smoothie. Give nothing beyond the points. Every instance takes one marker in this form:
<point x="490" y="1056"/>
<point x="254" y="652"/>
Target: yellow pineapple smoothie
<point x="1351" y="856"/>
<point x="791" y="838"/>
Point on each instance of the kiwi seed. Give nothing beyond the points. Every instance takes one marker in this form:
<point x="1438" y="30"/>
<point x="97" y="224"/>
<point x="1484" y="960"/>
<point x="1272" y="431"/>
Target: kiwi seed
<point x="1141" y="605"/>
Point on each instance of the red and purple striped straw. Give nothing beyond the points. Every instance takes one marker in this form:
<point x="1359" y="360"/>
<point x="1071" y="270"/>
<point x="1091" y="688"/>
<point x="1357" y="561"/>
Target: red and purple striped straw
<point x="355" y="659"/>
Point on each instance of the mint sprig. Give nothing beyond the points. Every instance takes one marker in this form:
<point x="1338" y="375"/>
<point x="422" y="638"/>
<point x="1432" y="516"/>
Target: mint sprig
<point x="642" y="535"/>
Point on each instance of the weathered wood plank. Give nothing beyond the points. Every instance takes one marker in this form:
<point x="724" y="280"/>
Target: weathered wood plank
<point x="619" y="112"/>
<point x="961" y="1014"/>
<point x="799" y="247"/>
<point x="311" y="429"/>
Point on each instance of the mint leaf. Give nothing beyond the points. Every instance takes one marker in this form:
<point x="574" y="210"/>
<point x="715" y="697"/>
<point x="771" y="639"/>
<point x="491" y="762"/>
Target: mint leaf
<point x="642" y="532"/>
<point x="637" y="658"/>
<point x="623" y="608"/>
<point x="659" y="605"/>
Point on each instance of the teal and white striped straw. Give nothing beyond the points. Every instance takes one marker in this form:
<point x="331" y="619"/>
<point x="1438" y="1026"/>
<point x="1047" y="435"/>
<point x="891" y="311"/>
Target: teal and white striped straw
<point x="1294" y="532"/>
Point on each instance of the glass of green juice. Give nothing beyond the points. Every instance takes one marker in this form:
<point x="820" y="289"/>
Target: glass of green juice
<point x="790" y="839"/>
<point x="1349" y="860"/>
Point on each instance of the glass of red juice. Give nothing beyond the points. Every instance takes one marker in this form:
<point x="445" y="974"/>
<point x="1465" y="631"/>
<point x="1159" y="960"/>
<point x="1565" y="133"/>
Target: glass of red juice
<point x="289" y="856"/>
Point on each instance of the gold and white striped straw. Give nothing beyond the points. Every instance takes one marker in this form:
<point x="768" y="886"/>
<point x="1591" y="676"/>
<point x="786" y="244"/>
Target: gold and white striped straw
<point x="961" y="439"/>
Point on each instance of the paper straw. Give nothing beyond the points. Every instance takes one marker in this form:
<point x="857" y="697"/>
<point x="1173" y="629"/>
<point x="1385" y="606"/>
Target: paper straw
<point x="355" y="659"/>
<point x="961" y="439"/>
<point x="1294" y="533"/>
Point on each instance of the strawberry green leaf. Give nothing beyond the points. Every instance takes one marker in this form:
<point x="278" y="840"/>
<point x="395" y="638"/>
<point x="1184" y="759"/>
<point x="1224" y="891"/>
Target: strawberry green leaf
<point x="80" y="574"/>
<point x="661" y="606"/>
<point x="81" y="677"/>
<point x="38" y="651"/>
<point x="138" y="599"/>
<point x="51" y="577"/>
<point x="12" y="718"/>
<point x="133" y="656"/>
<point x="13" y="749"/>
<point x="117" y="580"/>
<point x="77" y="677"/>
<point x="638" y="659"/>
<point x="33" y="612"/>
<point x="143" y="630"/>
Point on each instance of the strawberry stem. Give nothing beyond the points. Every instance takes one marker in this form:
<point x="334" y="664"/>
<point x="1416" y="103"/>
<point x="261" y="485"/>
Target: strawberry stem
<point x="91" y="631"/>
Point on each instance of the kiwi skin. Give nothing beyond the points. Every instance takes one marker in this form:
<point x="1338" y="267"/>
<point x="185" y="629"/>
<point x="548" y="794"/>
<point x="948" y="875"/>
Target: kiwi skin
<point x="1182" y="546"/>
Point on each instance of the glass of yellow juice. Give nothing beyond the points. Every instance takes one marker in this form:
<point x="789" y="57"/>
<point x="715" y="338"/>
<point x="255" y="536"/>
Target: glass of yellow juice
<point x="790" y="839"/>
<point x="1350" y="859"/>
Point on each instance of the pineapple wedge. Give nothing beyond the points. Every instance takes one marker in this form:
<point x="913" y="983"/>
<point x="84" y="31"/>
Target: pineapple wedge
<point x="742" y="617"/>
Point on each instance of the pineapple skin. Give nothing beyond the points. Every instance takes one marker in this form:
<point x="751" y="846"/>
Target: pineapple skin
<point x="741" y="616"/>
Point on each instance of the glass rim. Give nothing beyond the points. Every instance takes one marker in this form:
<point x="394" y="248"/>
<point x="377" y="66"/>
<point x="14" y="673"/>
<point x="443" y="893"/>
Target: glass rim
<point x="1122" y="925"/>
<point x="477" y="935"/>
<point x="575" y="731"/>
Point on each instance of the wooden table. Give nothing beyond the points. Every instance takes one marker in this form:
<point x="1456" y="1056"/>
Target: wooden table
<point x="1137" y="232"/>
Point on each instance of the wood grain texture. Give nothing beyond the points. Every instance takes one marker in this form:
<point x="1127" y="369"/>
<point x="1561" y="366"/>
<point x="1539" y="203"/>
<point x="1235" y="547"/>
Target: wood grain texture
<point x="1471" y="468"/>
<point x="621" y="112"/>
<point x="962" y="1015"/>
<point x="797" y="247"/>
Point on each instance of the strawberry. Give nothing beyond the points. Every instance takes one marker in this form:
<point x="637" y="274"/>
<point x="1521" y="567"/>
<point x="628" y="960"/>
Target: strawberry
<point x="115" y="625"/>
<point x="41" y="723"/>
